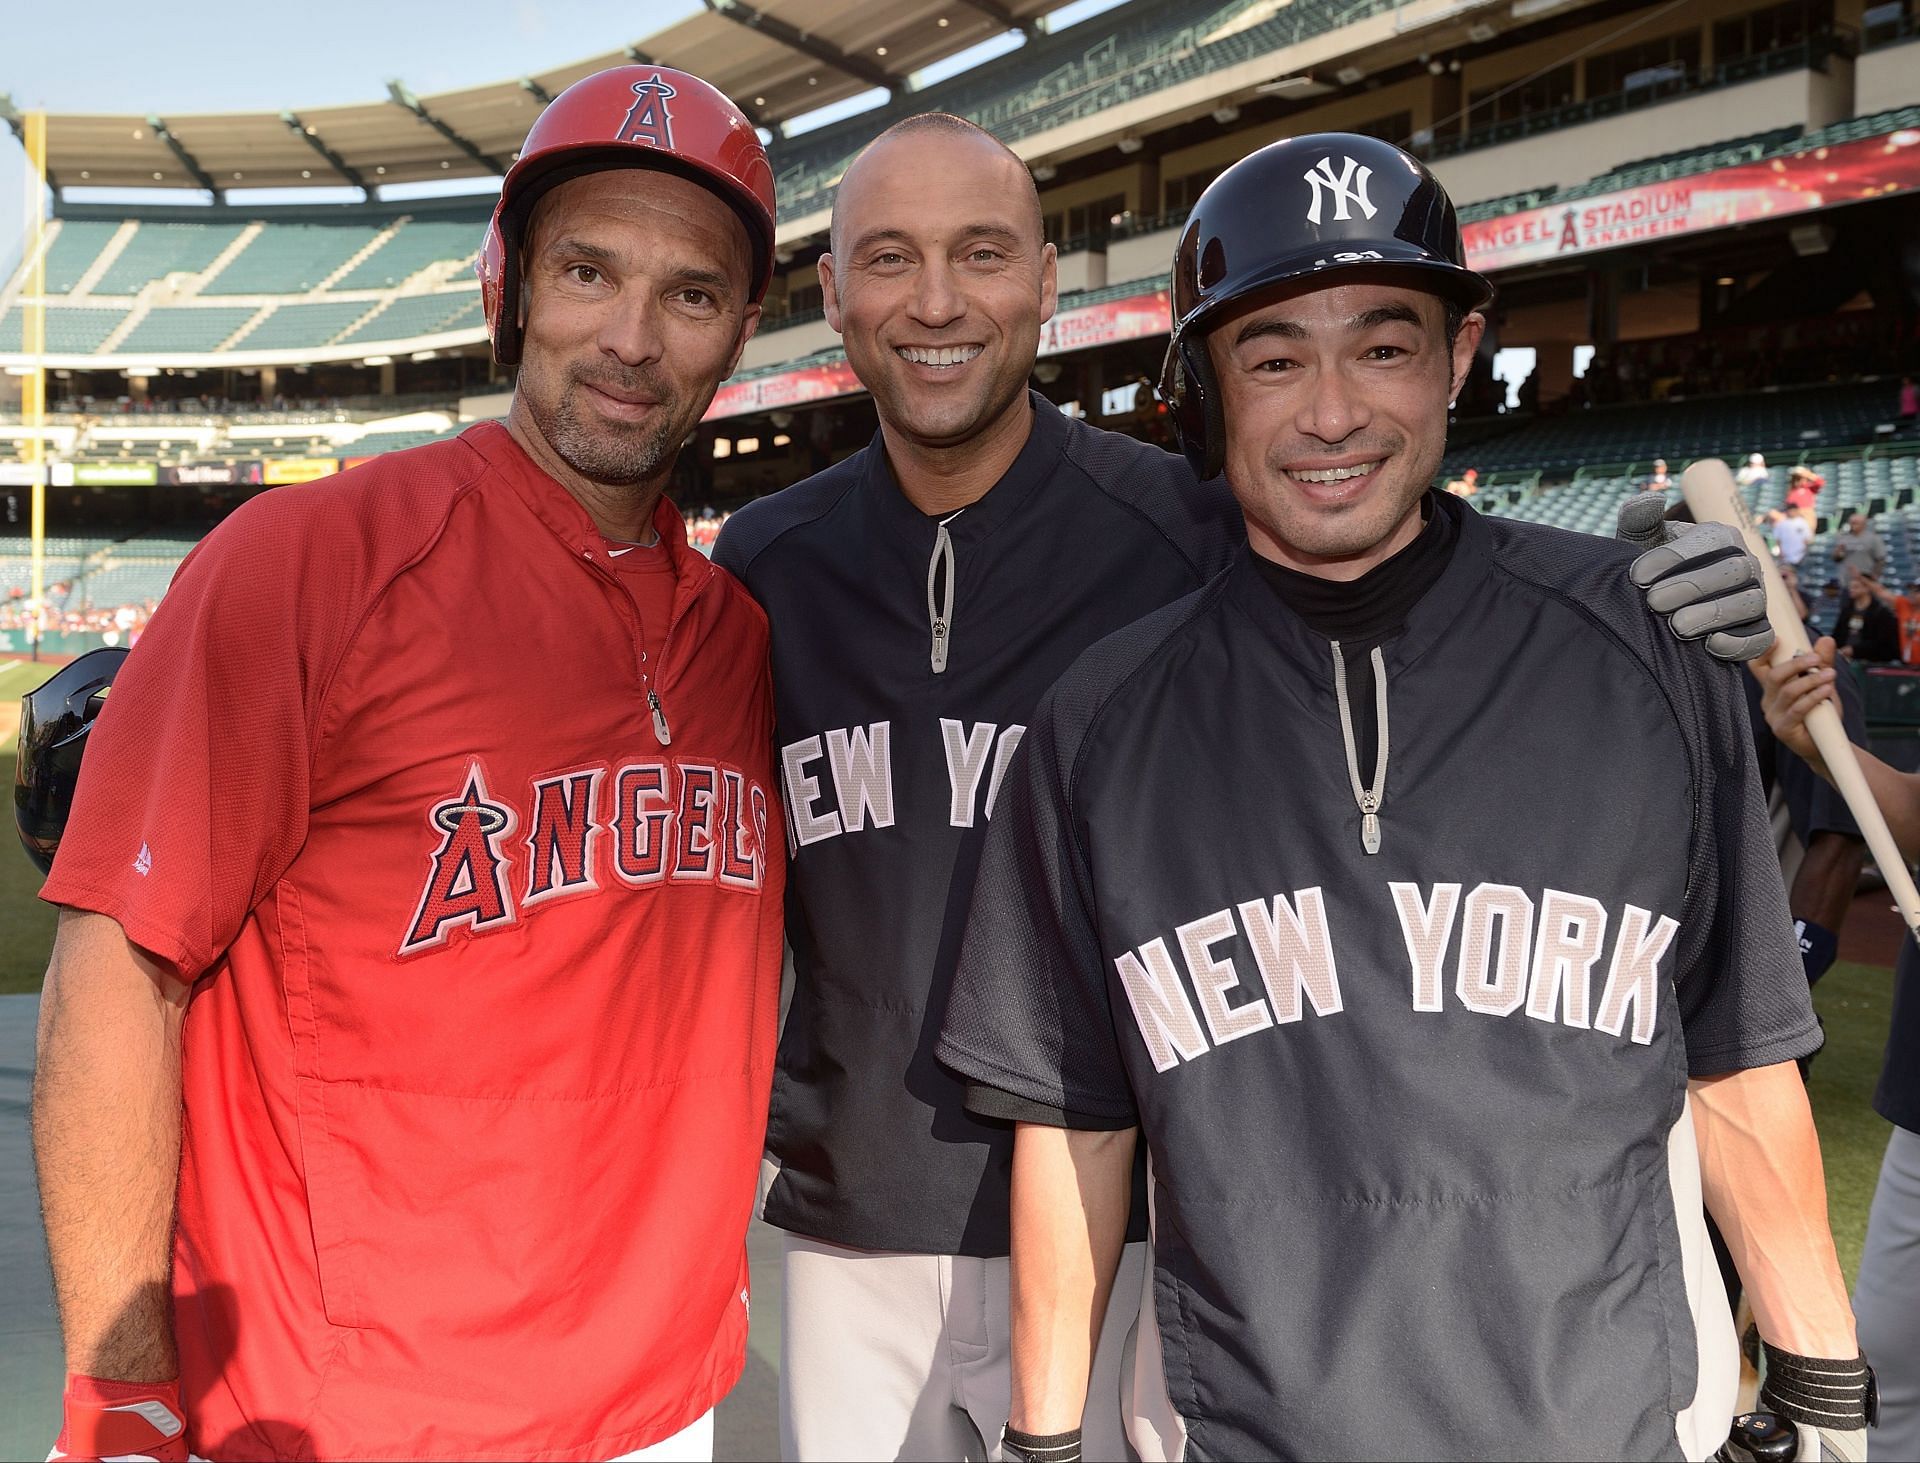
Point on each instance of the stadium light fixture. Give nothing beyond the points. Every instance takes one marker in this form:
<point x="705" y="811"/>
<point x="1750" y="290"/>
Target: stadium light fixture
<point x="942" y="22"/>
<point x="1045" y="173"/>
<point x="781" y="439"/>
<point x="1724" y="279"/>
<point x="377" y="361"/>
<point x="722" y="448"/>
<point x="1127" y="145"/>
<point x="746" y="445"/>
<point x="1226" y="115"/>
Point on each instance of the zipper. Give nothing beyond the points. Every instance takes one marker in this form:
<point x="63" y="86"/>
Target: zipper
<point x="940" y="606"/>
<point x="661" y="731"/>
<point x="1368" y="799"/>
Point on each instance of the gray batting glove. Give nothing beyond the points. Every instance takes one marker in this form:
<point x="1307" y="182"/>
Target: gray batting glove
<point x="1700" y="577"/>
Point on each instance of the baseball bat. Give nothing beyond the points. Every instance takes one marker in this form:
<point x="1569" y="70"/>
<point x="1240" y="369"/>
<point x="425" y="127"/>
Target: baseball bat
<point x="1710" y="492"/>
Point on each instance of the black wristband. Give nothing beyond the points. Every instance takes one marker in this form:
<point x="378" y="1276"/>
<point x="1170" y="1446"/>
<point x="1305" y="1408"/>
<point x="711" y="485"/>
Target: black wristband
<point x="1820" y="1392"/>
<point x="1020" y="1447"/>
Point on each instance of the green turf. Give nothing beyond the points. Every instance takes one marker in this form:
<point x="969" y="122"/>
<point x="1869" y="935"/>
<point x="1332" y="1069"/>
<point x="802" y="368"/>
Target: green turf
<point x="1853" y="1001"/>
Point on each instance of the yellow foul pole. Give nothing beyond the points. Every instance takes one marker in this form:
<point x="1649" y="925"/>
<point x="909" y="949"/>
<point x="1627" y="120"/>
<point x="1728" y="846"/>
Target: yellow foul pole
<point x="33" y="319"/>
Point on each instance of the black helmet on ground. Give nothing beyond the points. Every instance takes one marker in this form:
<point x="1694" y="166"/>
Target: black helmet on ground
<point x="54" y="722"/>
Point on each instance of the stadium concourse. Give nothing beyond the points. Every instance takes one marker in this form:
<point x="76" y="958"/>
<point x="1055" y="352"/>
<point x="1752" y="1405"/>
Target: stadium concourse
<point x="1699" y="218"/>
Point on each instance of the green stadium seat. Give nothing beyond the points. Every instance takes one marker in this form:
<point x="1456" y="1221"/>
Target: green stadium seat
<point x="413" y="316"/>
<point x="184" y="329"/>
<point x="71" y="329"/>
<point x="160" y="249"/>
<point x="74" y="249"/>
<point x="417" y="243"/>
<point x="291" y="259"/>
<point x="303" y="326"/>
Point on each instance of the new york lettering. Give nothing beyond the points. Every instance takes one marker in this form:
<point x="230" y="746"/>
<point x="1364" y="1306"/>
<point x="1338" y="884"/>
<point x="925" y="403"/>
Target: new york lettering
<point x="1493" y="949"/>
<point x="670" y="821"/>
<point x="842" y="780"/>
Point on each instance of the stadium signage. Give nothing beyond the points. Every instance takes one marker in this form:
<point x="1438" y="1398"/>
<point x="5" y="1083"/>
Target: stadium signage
<point x="298" y="470"/>
<point x="1826" y="177"/>
<point x="211" y="474"/>
<point x="115" y="474"/>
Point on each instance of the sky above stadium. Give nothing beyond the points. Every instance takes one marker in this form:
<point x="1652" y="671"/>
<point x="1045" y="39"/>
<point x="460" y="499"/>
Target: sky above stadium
<point x="219" y="55"/>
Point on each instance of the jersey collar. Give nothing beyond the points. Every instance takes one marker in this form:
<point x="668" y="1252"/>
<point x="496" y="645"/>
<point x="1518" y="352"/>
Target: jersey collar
<point x="1464" y="577"/>
<point x="561" y="512"/>
<point x="1037" y="463"/>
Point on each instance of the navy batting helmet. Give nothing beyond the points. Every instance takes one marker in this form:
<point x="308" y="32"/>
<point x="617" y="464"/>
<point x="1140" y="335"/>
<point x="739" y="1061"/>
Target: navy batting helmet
<point x="1296" y="209"/>
<point x="54" y="722"/>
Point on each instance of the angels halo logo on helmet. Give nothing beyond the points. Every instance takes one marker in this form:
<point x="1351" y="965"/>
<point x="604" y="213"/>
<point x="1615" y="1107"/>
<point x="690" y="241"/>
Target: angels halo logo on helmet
<point x="55" y="718"/>
<point x="1323" y="204"/>
<point x="625" y="117"/>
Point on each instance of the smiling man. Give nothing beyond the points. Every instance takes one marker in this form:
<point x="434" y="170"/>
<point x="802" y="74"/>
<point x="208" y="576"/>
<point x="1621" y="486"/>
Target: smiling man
<point x="1410" y="894"/>
<point x="923" y="593"/>
<point x="436" y="806"/>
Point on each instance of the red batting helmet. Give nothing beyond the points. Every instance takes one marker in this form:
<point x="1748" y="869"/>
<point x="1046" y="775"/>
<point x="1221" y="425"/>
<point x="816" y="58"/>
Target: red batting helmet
<point x="628" y="117"/>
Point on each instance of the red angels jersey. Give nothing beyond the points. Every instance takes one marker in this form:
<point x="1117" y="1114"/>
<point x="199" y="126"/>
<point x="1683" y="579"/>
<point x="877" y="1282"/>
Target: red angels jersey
<point x="483" y="903"/>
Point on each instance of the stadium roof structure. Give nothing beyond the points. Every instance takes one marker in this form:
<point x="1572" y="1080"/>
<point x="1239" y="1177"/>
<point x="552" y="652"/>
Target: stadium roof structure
<point x="777" y="59"/>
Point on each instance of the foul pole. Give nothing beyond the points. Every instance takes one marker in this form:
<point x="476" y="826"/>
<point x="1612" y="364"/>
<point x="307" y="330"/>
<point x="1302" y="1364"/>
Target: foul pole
<point x="33" y="343"/>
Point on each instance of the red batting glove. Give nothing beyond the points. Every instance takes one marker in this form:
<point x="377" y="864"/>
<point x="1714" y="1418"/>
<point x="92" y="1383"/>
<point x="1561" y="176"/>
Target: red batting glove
<point x="122" y="1420"/>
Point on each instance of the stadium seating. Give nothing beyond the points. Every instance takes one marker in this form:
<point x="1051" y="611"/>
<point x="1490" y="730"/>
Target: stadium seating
<point x="295" y="327"/>
<point x="416" y="315"/>
<point x="1773" y="422"/>
<point x="74" y="249"/>
<point x="160" y="249"/>
<point x="70" y="330"/>
<point x="377" y="442"/>
<point x="1142" y="47"/>
<point x="184" y="328"/>
<point x="416" y="244"/>
<point x="291" y="259"/>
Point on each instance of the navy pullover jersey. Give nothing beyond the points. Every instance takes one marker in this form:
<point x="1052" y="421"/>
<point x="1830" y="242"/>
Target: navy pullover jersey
<point x="1422" y="1181"/>
<point x="908" y="653"/>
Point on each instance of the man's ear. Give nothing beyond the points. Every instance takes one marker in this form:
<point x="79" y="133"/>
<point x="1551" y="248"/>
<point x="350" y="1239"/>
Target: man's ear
<point x="829" y="292"/>
<point x="1466" y="344"/>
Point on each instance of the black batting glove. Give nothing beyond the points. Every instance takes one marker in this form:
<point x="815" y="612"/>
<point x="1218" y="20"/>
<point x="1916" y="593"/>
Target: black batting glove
<point x="1701" y="578"/>
<point x="1019" y="1447"/>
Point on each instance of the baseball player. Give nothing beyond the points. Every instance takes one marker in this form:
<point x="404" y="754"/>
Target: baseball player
<point x="923" y="594"/>
<point x="405" y="1049"/>
<point x="1408" y="893"/>
<point x="1887" y="1295"/>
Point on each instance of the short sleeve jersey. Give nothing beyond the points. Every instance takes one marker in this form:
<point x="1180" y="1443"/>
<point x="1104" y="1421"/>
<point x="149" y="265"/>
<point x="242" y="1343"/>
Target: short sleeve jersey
<point x="1415" y="1119"/>
<point x="486" y="975"/>
<point x="893" y="758"/>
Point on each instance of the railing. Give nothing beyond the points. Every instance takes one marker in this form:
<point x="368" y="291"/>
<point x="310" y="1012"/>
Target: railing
<point x="1809" y="55"/>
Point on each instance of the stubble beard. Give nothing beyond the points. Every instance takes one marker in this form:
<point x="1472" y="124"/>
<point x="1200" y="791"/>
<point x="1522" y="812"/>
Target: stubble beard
<point x="623" y="457"/>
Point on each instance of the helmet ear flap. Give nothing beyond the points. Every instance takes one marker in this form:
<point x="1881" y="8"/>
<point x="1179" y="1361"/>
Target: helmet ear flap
<point x="499" y="271"/>
<point x="1215" y="442"/>
<point x="1192" y="394"/>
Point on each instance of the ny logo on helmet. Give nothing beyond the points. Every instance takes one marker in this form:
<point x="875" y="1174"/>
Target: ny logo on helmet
<point x="648" y="119"/>
<point x="1346" y="188"/>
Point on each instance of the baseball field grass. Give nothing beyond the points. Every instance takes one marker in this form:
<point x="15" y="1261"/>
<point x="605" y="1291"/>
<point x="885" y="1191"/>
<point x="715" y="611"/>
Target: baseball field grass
<point x="1853" y="1001"/>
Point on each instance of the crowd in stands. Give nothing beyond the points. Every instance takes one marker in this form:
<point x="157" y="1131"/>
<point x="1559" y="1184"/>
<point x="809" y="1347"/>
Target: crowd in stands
<point x="117" y="624"/>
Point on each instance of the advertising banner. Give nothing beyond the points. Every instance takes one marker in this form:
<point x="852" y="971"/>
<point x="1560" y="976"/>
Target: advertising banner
<point x="212" y="474"/>
<point x="298" y="470"/>
<point x="1849" y="172"/>
<point x="1137" y="317"/>
<point x="115" y="474"/>
<point x="786" y="388"/>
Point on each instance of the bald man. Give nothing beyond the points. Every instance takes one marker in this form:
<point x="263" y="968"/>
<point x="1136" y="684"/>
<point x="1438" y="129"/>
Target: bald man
<point x="924" y="593"/>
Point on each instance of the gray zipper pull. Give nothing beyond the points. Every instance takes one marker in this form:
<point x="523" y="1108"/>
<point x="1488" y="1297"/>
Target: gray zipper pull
<point x="940" y="590"/>
<point x="660" y="731"/>
<point x="1367" y="799"/>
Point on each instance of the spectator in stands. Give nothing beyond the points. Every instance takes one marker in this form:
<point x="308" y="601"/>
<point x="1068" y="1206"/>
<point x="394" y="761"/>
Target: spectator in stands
<point x="1909" y="402"/>
<point x="1860" y="550"/>
<point x="1658" y="481"/>
<point x="1754" y="474"/>
<point x="1466" y="485"/>
<point x="1906" y="614"/>
<point x="1791" y="533"/>
<point x="1866" y="631"/>
<point x="1803" y="486"/>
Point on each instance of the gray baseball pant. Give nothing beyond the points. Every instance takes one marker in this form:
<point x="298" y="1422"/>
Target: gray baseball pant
<point x="886" y="1355"/>
<point x="1886" y="1302"/>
